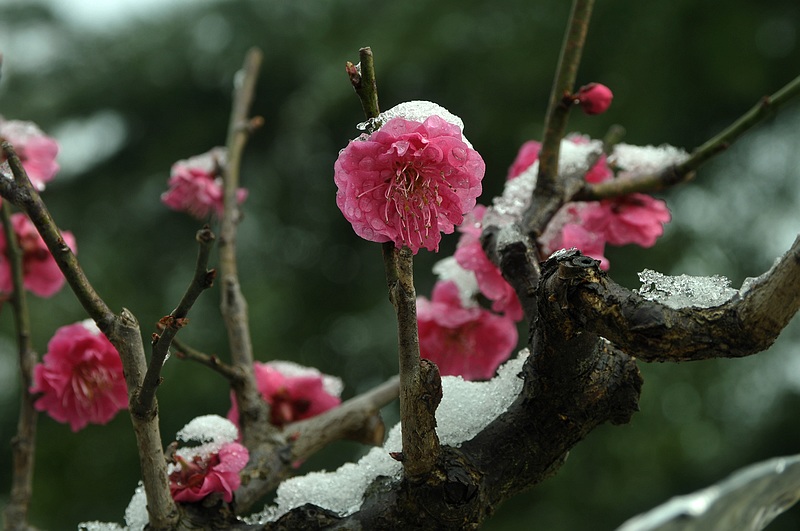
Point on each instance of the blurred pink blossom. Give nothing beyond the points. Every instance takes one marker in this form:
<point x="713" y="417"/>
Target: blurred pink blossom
<point x="202" y="474"/>
<point x="634" y="218"/>
<point x="37" y="151"/>
<point x="293" y="392"/>
<point x="588" y="242"/>
<point x="468" y="342"/>
<point x="195" y="185"/>
<point x="80" y="377"/>
<point x="469" y="255"/>
<point x="41" y="275"/>
<point x="408" y="182"/>
<point x="594" y="98"/>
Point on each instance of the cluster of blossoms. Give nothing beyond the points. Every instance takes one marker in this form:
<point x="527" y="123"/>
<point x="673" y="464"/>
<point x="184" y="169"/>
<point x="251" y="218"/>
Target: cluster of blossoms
<point x="37" y="153"/>
<point x="196" y="187"/>
<point x="588" y="226"/>
<point x="80" y="379"/>
<point x="211" y="467"/>
<point x="294" y="392"/>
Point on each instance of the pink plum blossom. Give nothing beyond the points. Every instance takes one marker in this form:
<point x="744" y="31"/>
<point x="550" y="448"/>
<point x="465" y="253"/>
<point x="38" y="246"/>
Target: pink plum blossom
<point x="588" y="242"/>
<point x="195" y="477"/>
<point x="195" y="185"/>
<point x="634" y="218"/>
<point x="293" y="392"/>
<point x="408" y="182"/>
<point x="594" y="98"/>
<point x="80" y="377"/>
<point x="491" y="283"/>
<point x="528" y="154"/>
<point x="37" y="151"/>
<point x="41" y="275"/>
<point x="468" y="342"/>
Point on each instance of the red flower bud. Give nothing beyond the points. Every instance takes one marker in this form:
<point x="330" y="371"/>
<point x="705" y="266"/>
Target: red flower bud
<point x="594" y="98"/>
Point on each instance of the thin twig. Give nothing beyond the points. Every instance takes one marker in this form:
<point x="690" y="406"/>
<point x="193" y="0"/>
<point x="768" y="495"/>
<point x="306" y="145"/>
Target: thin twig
<point x="676" y="174"/>
<point x="254" y="412"/>
<point x="184" y="351"/>
<point x="549" y="194"/>
<point x="202" y="280"/>
<point x="23" y="445"/>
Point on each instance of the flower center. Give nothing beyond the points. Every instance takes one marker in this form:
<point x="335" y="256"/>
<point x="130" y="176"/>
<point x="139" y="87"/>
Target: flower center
<point x="416" y="201"/>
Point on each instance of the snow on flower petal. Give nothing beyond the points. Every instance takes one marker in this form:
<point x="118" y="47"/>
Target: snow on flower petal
<point x="41" y="275"/>
<point x="528" y="154"/>
<point x="293" y="392"/>
<point x="80" y="378"/>
<point x="408" y="182"/>
<point x="468" y="342"/>
<point x="37" y="151"/>
<point x="195" y="185"/>
<point x="197" y="475"/>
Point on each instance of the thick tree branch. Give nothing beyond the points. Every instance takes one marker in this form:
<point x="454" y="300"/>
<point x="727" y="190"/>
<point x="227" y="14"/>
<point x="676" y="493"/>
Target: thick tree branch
<point x="746" y="324"/>
<point x="23" y="445"/>
<point x="253" y="411"/>
<point x="678" y="173"/>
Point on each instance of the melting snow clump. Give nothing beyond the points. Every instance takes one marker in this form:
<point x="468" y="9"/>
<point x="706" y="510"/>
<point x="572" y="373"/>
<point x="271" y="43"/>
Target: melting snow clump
<point x="685" y="291"/>
<point x="466" y="408"/>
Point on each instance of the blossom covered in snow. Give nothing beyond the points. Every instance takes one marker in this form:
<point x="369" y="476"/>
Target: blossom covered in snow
<point x="80" y="377"/>
<point x="409" y="181"/>
<point x="41" y="275"/>
<point x="36" y="151"/>
<point x="195" y="185"/>
<point x="213" y="466"/>
<point x="594" y="98"/>
<point x="293" y="392"/>
<point x="491" y="283"/>
<point x="468" y="342"/>
<point x="528" y="154"/>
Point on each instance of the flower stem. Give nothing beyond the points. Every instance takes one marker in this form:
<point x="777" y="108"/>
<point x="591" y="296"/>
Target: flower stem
<point x="549" y="194"/>
<point x="23" y="445"/>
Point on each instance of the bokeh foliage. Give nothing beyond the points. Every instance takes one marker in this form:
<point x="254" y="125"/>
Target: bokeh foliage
<point x="128" y="101"/>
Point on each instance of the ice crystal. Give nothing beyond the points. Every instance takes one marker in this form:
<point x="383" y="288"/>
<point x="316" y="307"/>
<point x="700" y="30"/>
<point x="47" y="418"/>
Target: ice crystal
<point x="685" y="291"/>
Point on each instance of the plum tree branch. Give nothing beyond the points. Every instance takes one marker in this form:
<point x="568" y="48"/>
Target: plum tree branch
<point x="548" y="196"/>
<point x="23" y="444"/>
<point x="122" y="331"/>
<point x="253" y="411"/>
<point x="678" y="173"/>
<point x="420" y="383"/>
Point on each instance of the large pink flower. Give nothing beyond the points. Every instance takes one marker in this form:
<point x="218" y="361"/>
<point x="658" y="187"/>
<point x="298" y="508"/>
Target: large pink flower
<point x="633" y="218"/>
<point x="408" y="182"/>
<point x="199" y="475"/>
<point x="41" y="275"/>
<point x="293" y="392"/>
<point x="491" y="283"/>
<point x="195" y="185"/>
<point x="468" y="342"/>
<point x="80" y="378"/>
<point x="36" y="151"/>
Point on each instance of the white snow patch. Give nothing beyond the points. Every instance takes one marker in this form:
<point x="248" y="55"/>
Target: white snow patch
<point x="685" y="291"/>
<point x="449" y="270"/>
<point x="633" y="160"/>
<point x="466" y="408"/>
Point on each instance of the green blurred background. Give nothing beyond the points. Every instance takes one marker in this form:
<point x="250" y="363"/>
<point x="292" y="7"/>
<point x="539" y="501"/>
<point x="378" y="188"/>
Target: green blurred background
<point x="129" y="91"/>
